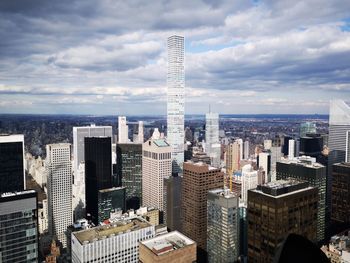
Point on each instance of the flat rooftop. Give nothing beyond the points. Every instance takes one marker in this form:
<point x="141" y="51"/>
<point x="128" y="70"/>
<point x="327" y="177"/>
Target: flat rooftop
<point x="115" y="228"/>
<point x="305" y="161"/>
<point x="223" y="192"/>
<point x="282" y="187"/>
<point x="168" y="242"/>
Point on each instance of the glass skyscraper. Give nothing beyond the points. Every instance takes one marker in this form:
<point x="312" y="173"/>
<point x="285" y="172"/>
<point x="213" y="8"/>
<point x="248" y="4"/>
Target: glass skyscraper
<point x="19" y="227"/>
<point x="176" y="100"/>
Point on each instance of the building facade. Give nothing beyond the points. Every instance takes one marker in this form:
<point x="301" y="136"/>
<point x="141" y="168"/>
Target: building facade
<point x="172" y="202"/>
<point x="198" y="179"/>
<point x="123" y="130"/>
<point x="249" y="181"/>
<point x="59" y="189"/>
<point x="341" y="192"/>
<point x="129" y="170"/>
<point x="213" y="146"/>
<point x="223" y="226"/>
<point x="19" y="227"/>
<point x="98" y="171"/>
<point x="110" y="200"/>
<point x="12" y="172"/>
<point x="233" y="157"/>
<point x="306" y="169"/>
<point x="176" y="99"/>
<point x="275" y="210"/>
<point x="115" y="242"/>
<point x="156" y="165"/>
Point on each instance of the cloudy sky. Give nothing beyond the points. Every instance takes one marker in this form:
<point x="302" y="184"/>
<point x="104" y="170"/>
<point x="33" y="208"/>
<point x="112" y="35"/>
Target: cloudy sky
<point x="109" y="57"/>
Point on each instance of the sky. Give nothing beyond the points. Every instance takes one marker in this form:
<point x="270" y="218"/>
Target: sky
<point x="109" y="57"/>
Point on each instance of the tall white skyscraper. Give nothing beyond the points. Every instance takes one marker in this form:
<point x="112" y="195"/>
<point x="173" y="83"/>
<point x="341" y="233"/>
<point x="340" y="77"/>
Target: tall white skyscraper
<point x="156" y="165"/>
<point x="140" y="134"/>
<point x="246" y="150"/>
<point x="240" y="142"/>
<point x="59" y="188"/>
<point x="213" y="147"/>
<point x="291" y="149"/>
<point x="123" y="130"/>
<point x="176" y="100"/>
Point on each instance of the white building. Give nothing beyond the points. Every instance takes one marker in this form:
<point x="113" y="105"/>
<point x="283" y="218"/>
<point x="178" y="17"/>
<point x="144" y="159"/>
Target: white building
<point x="249" y="181"/>
<point x="265" y="164"/>
<point x="116" y="242"/>
<point x="60" y="179"/>
<point x="267" y="144"/>
<point x="156" y="165"/>
<point x="276" y="155"/>
<point x="176" y="99"/>
<point x="140" y="136"/>
<point x="213" y="147"/>
<point x="123" y="130"/>
<point x="43" y="218"/>
<point x="246" y="154"/>
<point x="291" y="149"/>
<point x="78" y="190"/>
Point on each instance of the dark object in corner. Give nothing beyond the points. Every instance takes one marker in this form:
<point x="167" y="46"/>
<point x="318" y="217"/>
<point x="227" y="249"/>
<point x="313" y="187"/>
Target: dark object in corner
<point x="299" y="249"/>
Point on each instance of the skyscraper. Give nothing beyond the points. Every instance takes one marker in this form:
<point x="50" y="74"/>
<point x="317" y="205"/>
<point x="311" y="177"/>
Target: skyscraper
<point x="123" y="130"/>
<point x="129" y="170"/>
<point x="306" y="169"/>
<point x="264" y="162"/>
<point x="98" y="171"/>
<point x="19" y="227"/>
<point x="291" y="149"/>
<point x="198" y="179"/>
<point x="172" y="202"/>
<point x="233" y="157"/>
<point x="274" y="211"/>
<point x="156" y="165"/>
<point x="140" y="135"/>
<point x="246" y="150"/>
<point x="59" y="189"/>
<point x="307" y="127"/>
<point x="223" y="226"/>
<point x="339" y="127"/>
<point x="249" y="181"/>
<point x="110" y="200"/>
<point x="12" y="176"/>
<point x="213" y="147"/>
<point x="176" y="100"/>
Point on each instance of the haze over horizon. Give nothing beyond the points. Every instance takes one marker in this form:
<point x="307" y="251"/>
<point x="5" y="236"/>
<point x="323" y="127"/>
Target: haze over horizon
<point x="109" y="57"/>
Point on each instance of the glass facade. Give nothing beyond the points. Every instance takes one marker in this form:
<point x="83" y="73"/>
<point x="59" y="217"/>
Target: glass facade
<point x="129" y="171"/>
<point x="19" y="227"/>
<point x="11" y="166"/>
<point x="109" y="201"/>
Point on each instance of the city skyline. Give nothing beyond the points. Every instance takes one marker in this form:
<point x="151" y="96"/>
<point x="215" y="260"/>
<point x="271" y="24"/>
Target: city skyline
<point x="243" y="57"/>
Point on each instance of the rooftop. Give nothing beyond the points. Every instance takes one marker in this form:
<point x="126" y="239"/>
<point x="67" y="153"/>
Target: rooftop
<point x="115" y="228"/>
<point x="281" y="188"/>
<point x="226" y="193"/>
<point x="168" y="242"/>
<point x="161" y="143"/>
<point x="305" y="161"/>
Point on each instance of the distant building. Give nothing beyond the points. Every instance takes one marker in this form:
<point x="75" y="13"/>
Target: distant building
<point x="264" y="162"/>
<point x="291" y="149"/>
<point x="249" y="181"/>
<point x="311" y="145"/>
<point x="156" y="165"/>
<point x="59" y="190"/>
<point x="198" y="179"/>
<point x="110" y="200"/>
<point x="172" y="202"/>
<point x="307" y="128"/>
<point x="213" y="147"/>
<point x="129" y="170"/>
<point x="172" y="247"/>
<point x="306" y="169"/>
<point x="176" y="100"/>
<point x="223" y="226"/>
<point x="274" y="211"/>
<point x="12" y="167"/>
<point x="19" y="227"/>
<point x="115" y="242"/>
<point x="233" y="157"/>
<point x="338" y="249"/>
<point x="201" y="157"/>
<point x="123" y="130"/>
<point x="246" y="154"/>
<point x="341" y="192"/>
<point x="98" y="171"/>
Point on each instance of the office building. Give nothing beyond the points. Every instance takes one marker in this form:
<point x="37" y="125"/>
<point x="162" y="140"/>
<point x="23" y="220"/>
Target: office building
<point x="267" y="145"/>
<point x="98" y="171"/>
<point x="291" y="149"/>
<point x="249" y="181"/>
<point x="306" y="169"/>
<point x="176" y="100"/>
<point x="233" y="157"/>
<point x="264" y="162"/>
<point x="114" y="242"/>
<point x="246" y="154"/>
<point x="338" y="249"/>
<point x="156" y="165"/>
<point x="223" y="226"/>
<point x="274" y="211"/>
<point x="198" y="179"/>
<point x="59" y="189"/>
<point x="172" y="202"/>
<point x="307" y="128"/>
<point x="123" y="130"/>
<point x="19" y="227"/>
<point x="339" y="127"/>
<point x="285" y="148"/>
<point x="311" y="145"/>
<point x="213" y="147"/>
<point x="171" y="247"/>
<point x="12" y="172"/>
<point x="78" y="189"/>
<point x="341" y="192"/>
<point x="129" y="171"/>
<point x="201" y="157"/>
<point x="276" y="154"/>
<point x="110" y="200"/>
<point x="140" y="135"/>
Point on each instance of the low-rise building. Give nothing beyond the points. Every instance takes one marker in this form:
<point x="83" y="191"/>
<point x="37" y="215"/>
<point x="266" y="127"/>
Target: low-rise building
<point x="338" y="249"/>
